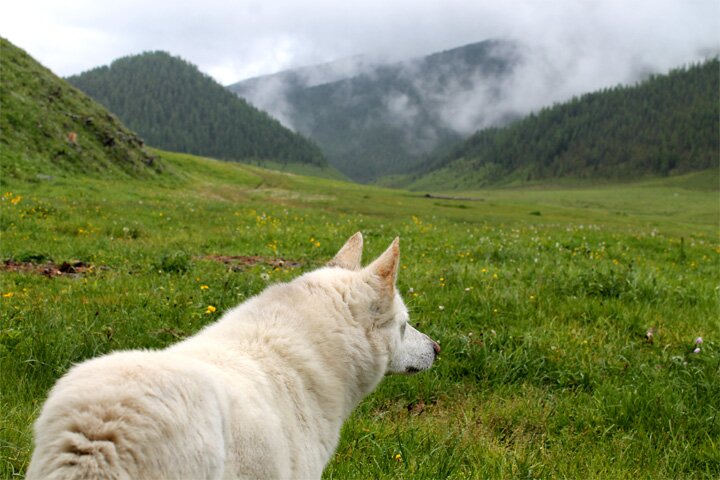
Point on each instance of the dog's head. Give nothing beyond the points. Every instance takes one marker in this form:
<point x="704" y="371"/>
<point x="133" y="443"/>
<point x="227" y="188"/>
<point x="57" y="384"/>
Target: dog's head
<point x="383" y="310"/>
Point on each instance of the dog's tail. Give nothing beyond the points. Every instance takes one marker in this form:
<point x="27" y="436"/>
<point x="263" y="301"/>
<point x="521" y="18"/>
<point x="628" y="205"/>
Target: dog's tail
<point x="75" y="454"/>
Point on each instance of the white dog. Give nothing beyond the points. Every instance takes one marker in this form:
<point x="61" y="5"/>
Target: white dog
<point x="262" y="393"/>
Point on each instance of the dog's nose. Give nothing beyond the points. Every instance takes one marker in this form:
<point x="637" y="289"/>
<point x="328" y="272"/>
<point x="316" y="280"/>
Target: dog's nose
<point x="436" y="348"/>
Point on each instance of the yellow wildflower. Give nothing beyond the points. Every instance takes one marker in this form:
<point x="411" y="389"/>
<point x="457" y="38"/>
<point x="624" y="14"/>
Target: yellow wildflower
<point x="210" y="309"/>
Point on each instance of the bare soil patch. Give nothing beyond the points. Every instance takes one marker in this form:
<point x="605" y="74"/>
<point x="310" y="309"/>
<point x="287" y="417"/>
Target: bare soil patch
<point x="240" y="261"/>
<point x="48" y="269"/>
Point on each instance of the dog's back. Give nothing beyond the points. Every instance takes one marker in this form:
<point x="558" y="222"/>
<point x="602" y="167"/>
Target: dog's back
<point x="241" y="399"/>
<point x="132" y="415"/>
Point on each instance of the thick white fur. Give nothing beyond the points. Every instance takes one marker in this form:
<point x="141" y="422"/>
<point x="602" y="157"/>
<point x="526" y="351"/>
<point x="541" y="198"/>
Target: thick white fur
<point x="262" y="393"/>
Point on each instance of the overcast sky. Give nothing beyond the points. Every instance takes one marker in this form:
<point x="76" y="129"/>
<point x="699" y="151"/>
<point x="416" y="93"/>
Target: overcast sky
<point x="237" y="39"/>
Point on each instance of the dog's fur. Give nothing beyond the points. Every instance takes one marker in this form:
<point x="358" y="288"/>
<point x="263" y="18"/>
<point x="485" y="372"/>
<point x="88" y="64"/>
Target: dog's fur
<point x="262" y="393"/>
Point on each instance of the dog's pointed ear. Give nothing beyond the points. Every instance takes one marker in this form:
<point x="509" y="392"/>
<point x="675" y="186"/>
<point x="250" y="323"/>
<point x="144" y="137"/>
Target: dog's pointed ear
<point x="350" y="254"/>
<point x="386" y="266"/>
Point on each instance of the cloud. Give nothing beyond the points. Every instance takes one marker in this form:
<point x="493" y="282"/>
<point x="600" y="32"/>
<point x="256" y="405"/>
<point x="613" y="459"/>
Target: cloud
<point x="271" y="96"/>
<point x="232" y="40"/>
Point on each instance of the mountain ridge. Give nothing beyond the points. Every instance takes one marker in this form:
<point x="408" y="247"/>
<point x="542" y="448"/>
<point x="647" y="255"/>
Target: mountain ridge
<point x="387" y="117"/>
<point x="665" y="125"/>
<point x="176" y="107"/>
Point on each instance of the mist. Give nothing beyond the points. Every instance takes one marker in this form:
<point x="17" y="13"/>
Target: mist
<point x="234" y="41"/>
<point x="458" y="98"/>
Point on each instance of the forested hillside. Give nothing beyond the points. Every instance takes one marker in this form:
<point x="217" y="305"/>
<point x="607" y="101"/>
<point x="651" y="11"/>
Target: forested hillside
<point x="48" y="127"/>
<point x="385" y="119"/>
<point x="176" y="107"/>
<point x="667" y="124"/>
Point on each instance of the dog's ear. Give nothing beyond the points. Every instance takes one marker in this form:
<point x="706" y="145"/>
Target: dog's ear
<point x="385" y="267"/>
<point x="350" y="254"/>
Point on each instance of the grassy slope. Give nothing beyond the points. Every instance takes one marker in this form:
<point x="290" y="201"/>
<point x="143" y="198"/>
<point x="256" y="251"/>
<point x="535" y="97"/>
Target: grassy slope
<point x="302" y="169"/>
<point x="545" y="371"/>
<point x="49" y="127"/>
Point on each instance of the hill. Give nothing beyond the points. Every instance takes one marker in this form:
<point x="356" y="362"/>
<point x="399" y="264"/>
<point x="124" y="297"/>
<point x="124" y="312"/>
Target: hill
<point x="48" y="127"/>
<point x="665" y="125"/>
<point x="176" y="107"/>
<point x="374" y="120"/>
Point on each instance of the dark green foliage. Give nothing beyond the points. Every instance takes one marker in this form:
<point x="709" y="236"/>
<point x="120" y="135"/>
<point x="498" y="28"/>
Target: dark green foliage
<point x="50" y="128"/>
<point x="665" y="125"/>
<point x="176" y="107"/>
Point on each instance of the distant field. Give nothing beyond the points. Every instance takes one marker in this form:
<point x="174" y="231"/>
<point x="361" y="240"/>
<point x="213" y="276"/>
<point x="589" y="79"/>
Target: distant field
<point x="541" y="300"/>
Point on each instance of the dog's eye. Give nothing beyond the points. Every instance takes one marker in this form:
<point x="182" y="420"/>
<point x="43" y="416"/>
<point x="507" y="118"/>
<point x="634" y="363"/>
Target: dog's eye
<point x="402" y="329"/>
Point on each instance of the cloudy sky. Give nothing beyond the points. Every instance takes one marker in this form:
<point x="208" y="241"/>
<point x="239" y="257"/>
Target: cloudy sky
<point x="237" y="39"/>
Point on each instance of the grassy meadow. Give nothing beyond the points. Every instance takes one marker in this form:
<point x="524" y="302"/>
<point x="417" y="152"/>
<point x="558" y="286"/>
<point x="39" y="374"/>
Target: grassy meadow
<point x="542" y="300"/>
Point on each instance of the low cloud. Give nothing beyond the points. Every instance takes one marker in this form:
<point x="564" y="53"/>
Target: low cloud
<point x="462" y="99"/>
<point x="271" y="95"/>
<point x="233" y="40"/>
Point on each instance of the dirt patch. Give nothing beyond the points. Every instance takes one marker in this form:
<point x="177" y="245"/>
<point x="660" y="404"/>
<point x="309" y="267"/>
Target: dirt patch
<point x="48" y="269"/>
<point x="239" y="261"/>
<point x="445" y="197"/>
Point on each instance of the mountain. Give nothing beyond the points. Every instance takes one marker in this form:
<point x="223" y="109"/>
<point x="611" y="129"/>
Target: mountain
<point x="665" y="125"/>
<point x="268" y="92"/>
<point x="47" y="127"/>
<point x="176" y="107"/>
<point x="373" y="120"/>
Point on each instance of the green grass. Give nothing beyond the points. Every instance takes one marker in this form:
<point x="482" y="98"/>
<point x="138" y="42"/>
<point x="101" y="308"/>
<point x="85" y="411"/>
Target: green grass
<point x="50" y="128"/>
<point x="305" y="169"/>
<point x="540" y="298"/>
